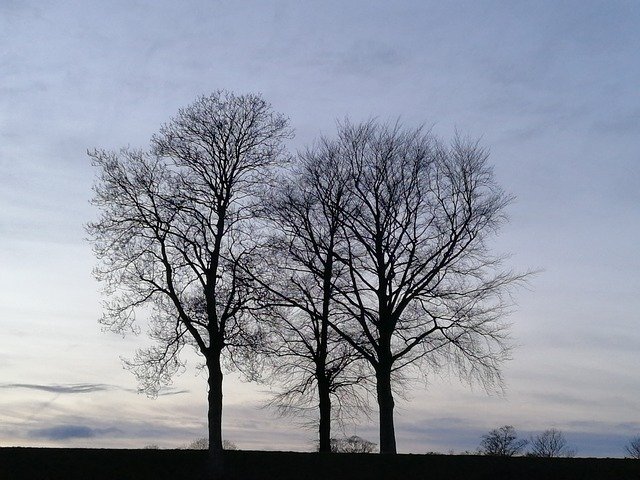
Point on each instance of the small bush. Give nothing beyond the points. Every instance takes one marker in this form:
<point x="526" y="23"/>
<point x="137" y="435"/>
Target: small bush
<point x="633" y="448"/>
<point x="503" y="442"/>
<point x="550" y="443"/>
<point x="229" y="445"/>
<point x="203" y="444"/>
<point x="353" y="444"/>
<point x="199" y="444"/>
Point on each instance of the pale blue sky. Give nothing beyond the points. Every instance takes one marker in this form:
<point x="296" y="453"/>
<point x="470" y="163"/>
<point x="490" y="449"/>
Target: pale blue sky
<point x="551" y="87"/>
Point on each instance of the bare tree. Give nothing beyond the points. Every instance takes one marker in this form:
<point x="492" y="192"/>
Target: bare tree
<point x="502" y="442"/>
<point x="352" y="444"/>
<point x="550" y="443"/>
<point x="314" y="366"/>
<point x="174" y="237"/>
<point x="203" y="444"/>
<point x="423" y="289"/>
<point x="229" y="445"/>
<point x="633" y="448"/>
<point x="198" y="444"/>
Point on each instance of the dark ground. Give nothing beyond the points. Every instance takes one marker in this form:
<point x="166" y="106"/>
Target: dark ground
<point x="97" y="464"/>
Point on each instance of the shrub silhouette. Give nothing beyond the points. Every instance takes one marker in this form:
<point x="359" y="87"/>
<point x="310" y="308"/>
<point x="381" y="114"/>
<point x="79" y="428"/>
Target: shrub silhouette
<point x="503" y="442"/>
<point x="550" y="443"/>
<point x="352" y="444"/>
<point x="633" y="448"/>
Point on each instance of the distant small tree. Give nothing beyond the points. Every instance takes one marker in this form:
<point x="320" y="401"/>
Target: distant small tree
<point x="352" y="444"/>
<point x="633" y="448"/>
<point x="152" y="446"/>
<point x="199" y="444"/>
<point x="502" y="441"/>
<point x="550" y="443"/>
<point x="203" y="444"/>
<point x="229" y="445"/>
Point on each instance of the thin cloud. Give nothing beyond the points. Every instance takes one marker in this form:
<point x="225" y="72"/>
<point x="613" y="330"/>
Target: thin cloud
<point x="60" y="389"/>
<point x="165" y="393"/>
<point x="66" y="432"/>
<point x="103" y="429"/>
<point x="81" y="388"/>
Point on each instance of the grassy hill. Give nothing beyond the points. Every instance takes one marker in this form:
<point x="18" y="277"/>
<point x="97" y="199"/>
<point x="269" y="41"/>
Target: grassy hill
<point x="98" y="464"/>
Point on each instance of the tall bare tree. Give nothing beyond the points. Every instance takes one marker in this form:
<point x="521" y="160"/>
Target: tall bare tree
<point x="174" y="237"/>
<point x="423" y="289"/>
<point x="316" y="369"/>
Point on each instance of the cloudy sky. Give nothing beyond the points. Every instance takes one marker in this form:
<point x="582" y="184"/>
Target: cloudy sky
<point x="551" y="87"/>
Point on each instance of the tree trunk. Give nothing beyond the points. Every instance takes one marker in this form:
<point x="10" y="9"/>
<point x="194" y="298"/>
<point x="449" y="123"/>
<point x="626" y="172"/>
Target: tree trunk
<point x="324" y="381"/>
<point x="385" y="408"/>
<point x="214" y="415"/>
<point x="324" y="431"/>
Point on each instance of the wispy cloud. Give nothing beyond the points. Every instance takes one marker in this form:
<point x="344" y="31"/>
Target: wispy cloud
<point x="67" y="432"/>
<point x="79" y="431"/>
<point x="169" y="391"/>
<point x="82" y="388"/>
<point x="60" y="389"/>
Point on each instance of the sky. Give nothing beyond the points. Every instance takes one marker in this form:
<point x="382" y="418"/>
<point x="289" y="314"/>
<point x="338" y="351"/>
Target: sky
<point x="550" y="87"/>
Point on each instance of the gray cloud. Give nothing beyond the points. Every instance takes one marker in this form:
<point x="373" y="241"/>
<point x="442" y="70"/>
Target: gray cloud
<point x="594" y="426"/>
<point x="66" y="432"/>
<point x="441" y="434"/>
<point x="107" y="430"/>
<point x="60" y="389"/>
<point x="564" y="399"/>
<point x="169" y="391"/>
<point x="82" y="388"/>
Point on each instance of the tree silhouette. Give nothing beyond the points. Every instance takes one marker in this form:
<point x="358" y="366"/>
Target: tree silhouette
<point x="633" y="448"/>
<point x="203" y="444"/>
<point x="550" y="443"/>
<point x="315" y="368"/>
<point x="174" y="238"/>
<point x="422" y="289"/>
<point x="352" y="444"/>
<point x="503" y="442"/>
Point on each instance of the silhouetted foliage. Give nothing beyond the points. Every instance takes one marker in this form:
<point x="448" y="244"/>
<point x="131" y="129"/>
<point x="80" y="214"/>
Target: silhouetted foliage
<point x="203" y="444"/>
<point x="633" y="448"/>
<point x="174" y="237"/>
<point x="502" y="442"/>
<point x="198" y="444"/>
<point x="229" y="445"/>
<point x="419" y="289"/>
<point x="352" y="444"/>
<point x="550" y="443"/>
<point x="315" y="369"/>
